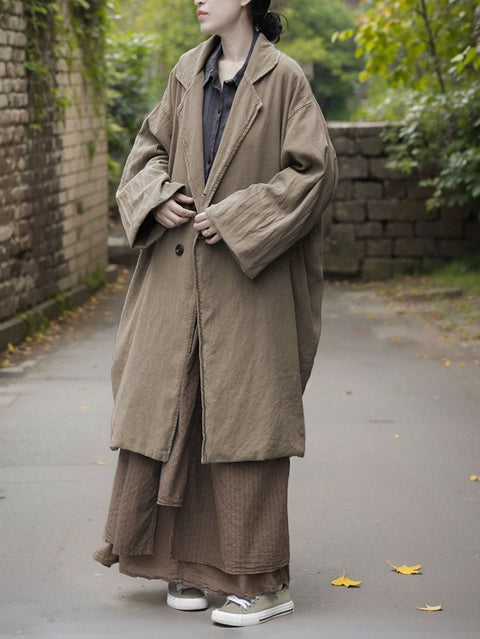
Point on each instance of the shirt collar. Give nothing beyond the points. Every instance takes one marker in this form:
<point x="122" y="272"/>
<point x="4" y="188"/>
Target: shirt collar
<point x="211" y="66"/>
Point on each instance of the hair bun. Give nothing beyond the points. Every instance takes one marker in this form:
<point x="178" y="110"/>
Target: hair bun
<point x="270" y="24"/>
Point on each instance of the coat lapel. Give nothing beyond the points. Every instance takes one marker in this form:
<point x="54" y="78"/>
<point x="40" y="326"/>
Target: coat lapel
<point x="191" y="131"/>
<point x="245" y="109"/>
<point x="189" y="114"/>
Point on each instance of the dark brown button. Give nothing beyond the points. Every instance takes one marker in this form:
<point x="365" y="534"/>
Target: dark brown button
<point x="179" y="249"/>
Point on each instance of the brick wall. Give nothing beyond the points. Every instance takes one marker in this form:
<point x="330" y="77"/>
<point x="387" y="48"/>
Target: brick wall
<point x="53" y="181"/>
<point x="378" y="224"/>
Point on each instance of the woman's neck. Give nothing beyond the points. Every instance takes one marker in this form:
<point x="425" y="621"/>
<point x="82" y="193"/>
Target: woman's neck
<point x="237" y="42"/>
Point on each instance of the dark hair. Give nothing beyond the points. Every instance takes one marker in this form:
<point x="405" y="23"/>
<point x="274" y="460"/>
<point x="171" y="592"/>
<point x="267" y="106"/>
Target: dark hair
<point x="268" y="22"/>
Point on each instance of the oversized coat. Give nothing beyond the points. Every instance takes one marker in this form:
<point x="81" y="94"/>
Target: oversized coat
<point x="256" y="295"/>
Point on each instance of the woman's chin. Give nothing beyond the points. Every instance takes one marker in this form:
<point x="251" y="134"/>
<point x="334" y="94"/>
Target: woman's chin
<point x="205" y="30"/>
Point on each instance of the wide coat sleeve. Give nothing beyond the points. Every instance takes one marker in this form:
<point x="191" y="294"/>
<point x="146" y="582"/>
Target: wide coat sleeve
<point x="145" y="182"/>
<point x="261" y="222"/>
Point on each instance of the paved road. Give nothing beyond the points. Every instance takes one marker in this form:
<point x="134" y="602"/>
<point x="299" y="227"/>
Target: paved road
<point x="360" y="497"/>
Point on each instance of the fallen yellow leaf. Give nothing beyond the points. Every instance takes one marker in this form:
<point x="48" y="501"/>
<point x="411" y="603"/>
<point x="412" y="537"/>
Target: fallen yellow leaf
<point x="345" y="581"/>
<point x="397" y="436"/>
<point x="11" y="348"/>
<point x="461" y="365"/>
<point x="101" y="463"/>
<point x="446" y="362"/>
<point x="428" y="608"/>
<point x="405" y="570"/>
<point x="474" y="478"/>
<point x="84" y="407"/>
<point x="5" y="363"/>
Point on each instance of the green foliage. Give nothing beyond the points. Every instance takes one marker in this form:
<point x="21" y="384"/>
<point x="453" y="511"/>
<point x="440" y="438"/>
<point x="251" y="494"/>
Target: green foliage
<point x="36" y="323"/>
<point x="96" y="279"/>
<point x="43" y="25"/>
<point x="66" y="309"/>
<point x="424" y="54"/>
<point x="440" y="134"/>
<point x="333" y="65"/>
<point x="463" y="273"/>
<point x="422" y="44"/>
<point x="91" y="148"/>
<point x="90" y="23"/>
<point x="50" y="38"/>
<point x="128" y="59"/>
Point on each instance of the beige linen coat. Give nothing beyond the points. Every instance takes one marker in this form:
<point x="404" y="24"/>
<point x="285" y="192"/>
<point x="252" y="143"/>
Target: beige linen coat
<point x="256" y="295"/>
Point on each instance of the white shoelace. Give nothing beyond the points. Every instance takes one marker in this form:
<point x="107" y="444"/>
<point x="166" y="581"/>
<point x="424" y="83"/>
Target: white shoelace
<point x="245" y="603"/>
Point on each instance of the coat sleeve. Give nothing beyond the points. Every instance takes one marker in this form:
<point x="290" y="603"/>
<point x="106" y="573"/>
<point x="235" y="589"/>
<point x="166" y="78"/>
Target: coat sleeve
<point x="261" y="222"/>
<point x="145" y="182"/>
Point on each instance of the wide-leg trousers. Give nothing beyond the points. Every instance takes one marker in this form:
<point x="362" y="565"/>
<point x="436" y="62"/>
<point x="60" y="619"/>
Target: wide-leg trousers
<point x="221" y="527"/>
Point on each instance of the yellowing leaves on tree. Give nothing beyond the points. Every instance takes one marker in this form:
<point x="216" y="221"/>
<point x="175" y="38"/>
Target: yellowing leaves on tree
<point x="428" y="608"/>
<point x="345" y="581"/>
<point x="405" y="570"/>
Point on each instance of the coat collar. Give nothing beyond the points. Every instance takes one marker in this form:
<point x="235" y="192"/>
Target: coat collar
<point x="245" y="108"/>
<point x="263" y="59"/>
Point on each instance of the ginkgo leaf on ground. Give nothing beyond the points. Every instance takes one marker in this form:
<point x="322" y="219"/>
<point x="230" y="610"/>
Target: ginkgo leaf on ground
<point x="405" y="570"/>
<point x="428" y="608"/>
<point x="345" y="581"/>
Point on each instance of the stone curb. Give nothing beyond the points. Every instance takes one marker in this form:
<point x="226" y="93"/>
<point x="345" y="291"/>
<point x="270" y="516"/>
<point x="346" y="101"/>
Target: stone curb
<point x="15" y="329"/>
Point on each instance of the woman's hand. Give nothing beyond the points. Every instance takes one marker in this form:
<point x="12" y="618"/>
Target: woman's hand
<point x="171" y="213"/>
<point x="206" y="228"/>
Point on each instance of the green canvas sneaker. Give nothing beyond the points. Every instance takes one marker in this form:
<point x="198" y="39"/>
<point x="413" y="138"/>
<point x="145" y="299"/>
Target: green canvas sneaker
<point x="248" y="612"/>
<point x="183" y="597"/>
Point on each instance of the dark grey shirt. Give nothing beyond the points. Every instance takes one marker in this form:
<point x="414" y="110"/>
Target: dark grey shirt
<point x="217" y="103"/>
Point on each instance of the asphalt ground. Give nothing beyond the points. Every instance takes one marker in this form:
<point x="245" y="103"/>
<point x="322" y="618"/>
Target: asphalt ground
<point x="393" y="436"/>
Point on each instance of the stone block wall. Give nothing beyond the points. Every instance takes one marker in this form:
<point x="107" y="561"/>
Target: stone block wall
<point x="378" y="224"/>
<point x="53" y="181"/>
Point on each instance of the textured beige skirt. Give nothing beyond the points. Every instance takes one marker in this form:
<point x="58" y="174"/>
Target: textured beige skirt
<point x="219" y="527"/>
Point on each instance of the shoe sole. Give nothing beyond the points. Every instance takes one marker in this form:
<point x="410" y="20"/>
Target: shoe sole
<point x="253" y="618"/>
<point x="187" y="604"/>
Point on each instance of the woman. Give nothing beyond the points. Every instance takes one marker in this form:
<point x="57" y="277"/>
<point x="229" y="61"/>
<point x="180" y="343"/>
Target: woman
<point x="223" y="191"/>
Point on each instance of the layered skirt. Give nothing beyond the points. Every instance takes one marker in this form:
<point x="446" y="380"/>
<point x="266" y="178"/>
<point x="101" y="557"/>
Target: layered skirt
<point x="220" y="527"/>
